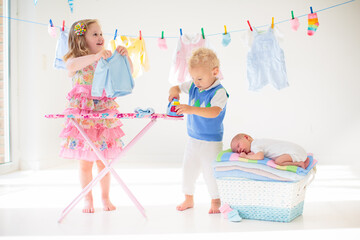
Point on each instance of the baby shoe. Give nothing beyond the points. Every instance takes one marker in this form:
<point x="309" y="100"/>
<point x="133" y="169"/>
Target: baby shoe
<point x="234" y="216"/>
<point x="225" y="209"/>
<point x="143" y="112"/>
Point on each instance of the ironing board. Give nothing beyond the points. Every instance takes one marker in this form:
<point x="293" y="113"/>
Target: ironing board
<point x="108" y="165"/>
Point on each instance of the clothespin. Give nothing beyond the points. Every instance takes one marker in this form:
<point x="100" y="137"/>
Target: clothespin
<point x="112" y="42"/>
<point x="115" y="35"/>
<point x="311" y="10"/>
<point x="51" y="23"/>
<point x="180" y="32"/>
<point x="292" y="15"/>
<point x="225" y="29"/>
<point x="162" y="35"/>
<point x="140" y="34"/>
<point x="249" y="25"/>
<point x="202" y="32"/>
<point x="272" y="23"/>
<point x="63" y="26"/>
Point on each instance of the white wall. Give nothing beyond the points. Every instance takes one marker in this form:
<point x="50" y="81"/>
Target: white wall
<point x="320" y="110"/>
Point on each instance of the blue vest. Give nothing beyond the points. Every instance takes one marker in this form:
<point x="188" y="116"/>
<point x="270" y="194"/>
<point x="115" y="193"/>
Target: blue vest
<point x="207" y="129"/>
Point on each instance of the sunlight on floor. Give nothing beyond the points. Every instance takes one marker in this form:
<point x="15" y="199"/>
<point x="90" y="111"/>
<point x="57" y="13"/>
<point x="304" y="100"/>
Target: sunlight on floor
<point x="332" y="202"/>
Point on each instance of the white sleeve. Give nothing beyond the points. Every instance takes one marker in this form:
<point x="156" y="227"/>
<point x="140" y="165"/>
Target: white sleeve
<point x="219" y="99"/>
<point x="185" y="87"/>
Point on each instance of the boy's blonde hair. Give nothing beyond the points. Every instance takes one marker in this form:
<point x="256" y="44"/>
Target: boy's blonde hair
<point x="77" y="43"/>
<point x="204" y="57"/>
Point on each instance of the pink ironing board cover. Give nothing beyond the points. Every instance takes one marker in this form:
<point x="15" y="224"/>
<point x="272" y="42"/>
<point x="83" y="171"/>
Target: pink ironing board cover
<point x="109" y="116"/>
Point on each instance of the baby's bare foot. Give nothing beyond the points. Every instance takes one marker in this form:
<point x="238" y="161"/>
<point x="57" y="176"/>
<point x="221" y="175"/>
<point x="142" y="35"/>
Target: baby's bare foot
<point x="108" y="206"/>
<point x="215" y="205"/>
<point x="188" y="203"/>
<point x="88" y="206"/>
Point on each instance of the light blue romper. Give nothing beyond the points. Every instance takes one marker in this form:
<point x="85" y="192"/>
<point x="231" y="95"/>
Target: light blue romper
<point x="266" y="62"/>
<point x="113" y="75"/>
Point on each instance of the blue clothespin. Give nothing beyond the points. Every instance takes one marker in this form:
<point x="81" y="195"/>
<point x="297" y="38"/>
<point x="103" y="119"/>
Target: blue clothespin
<point x="311" y="10"/>
<point x="180" y="32"/>
<point x="51" y="23"/>
<point x="115" y="34"/>
<point x="71" y="5"/>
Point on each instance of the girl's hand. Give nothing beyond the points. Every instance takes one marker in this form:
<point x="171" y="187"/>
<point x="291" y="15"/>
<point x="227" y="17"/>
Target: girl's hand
<point x="184" y="108"/>
<point x="103" y="54"/>
<point x="122" y="50"/>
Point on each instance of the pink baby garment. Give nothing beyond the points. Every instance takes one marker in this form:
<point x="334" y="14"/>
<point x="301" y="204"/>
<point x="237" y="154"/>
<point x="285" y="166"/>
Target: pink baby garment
<point x="186" y="45"/>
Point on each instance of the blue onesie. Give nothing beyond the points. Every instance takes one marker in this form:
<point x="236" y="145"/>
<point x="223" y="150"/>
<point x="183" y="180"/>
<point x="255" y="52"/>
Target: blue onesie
<point x="113" y="75"/>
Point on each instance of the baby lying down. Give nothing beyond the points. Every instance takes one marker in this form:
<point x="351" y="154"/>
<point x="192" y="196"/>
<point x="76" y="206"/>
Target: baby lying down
<point x="282" y="152"/>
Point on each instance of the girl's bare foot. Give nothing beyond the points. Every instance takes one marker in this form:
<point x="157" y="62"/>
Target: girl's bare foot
<point x="215" y="205"/>
<point x="188" y="203"/>
<point x="88" y="205"/>
<point x="108" y="206"/>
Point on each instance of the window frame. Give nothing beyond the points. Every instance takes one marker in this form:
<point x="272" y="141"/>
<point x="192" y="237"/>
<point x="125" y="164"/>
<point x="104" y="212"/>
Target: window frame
<point x="11" y="164"/>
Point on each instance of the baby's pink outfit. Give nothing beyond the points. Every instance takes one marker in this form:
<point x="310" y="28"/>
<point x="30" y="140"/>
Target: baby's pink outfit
<point x="186" y="45"/>
<point x="105" y="133"/>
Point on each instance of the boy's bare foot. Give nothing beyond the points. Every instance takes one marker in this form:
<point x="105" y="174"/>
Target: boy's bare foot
<point x="215" y="205"/>
<point x="108" y="206"/>
<point x="88" y="206"/>
<point x="188" y="203"/>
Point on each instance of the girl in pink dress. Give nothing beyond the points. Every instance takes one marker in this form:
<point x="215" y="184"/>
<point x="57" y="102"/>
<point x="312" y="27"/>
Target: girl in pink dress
<point x="86" y="47"/>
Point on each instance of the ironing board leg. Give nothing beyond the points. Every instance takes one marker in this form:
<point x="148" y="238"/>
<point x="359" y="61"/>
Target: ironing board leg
<point x="107" y="169"/>
<point x="85" y="191"/>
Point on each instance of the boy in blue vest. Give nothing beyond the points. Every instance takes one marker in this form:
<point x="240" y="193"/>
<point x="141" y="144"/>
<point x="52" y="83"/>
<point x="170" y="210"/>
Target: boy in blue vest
<point x="206" y="111"/>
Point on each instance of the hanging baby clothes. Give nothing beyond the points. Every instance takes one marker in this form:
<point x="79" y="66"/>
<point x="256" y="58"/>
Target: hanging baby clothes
<point x="137" y="53"/>
<point x="112" y="75"/>
<point x="187" y="43"/>
<point x="266" y="62"/>
<point x="61" y="49"/>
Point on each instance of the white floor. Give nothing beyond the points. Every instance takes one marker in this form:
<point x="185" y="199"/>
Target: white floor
<point x="31" y="203"/>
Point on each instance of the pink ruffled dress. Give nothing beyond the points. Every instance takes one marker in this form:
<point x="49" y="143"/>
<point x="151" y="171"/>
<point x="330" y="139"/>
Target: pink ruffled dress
<point x="105" y="133"/>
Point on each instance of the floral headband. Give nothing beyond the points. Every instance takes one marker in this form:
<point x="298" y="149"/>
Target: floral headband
<point x="80" y="29"/>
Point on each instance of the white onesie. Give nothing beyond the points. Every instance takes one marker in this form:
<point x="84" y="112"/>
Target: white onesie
<point x="274" y="148"/>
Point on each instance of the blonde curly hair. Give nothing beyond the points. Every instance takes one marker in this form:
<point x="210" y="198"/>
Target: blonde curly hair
<point x="204" y="57"/>
<point x="77" y="43"/>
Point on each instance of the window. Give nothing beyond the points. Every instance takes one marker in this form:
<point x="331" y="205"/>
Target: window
<point x="4" y="73"/>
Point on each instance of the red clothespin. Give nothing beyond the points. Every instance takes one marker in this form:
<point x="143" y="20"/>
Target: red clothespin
<point x="63" y="26"/>
<point x="140" y="35"/>
<point x="249" y="25"/>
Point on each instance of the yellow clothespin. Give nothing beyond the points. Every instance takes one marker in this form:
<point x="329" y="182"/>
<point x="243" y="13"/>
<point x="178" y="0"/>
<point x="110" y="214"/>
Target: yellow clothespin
<point x="112" y="42"/>
<point x="272" y="23"/>
<point x="225" y="29"/>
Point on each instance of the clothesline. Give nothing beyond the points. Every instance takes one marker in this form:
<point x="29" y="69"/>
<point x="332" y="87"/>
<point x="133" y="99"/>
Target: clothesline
<point x="208" y="35"/>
